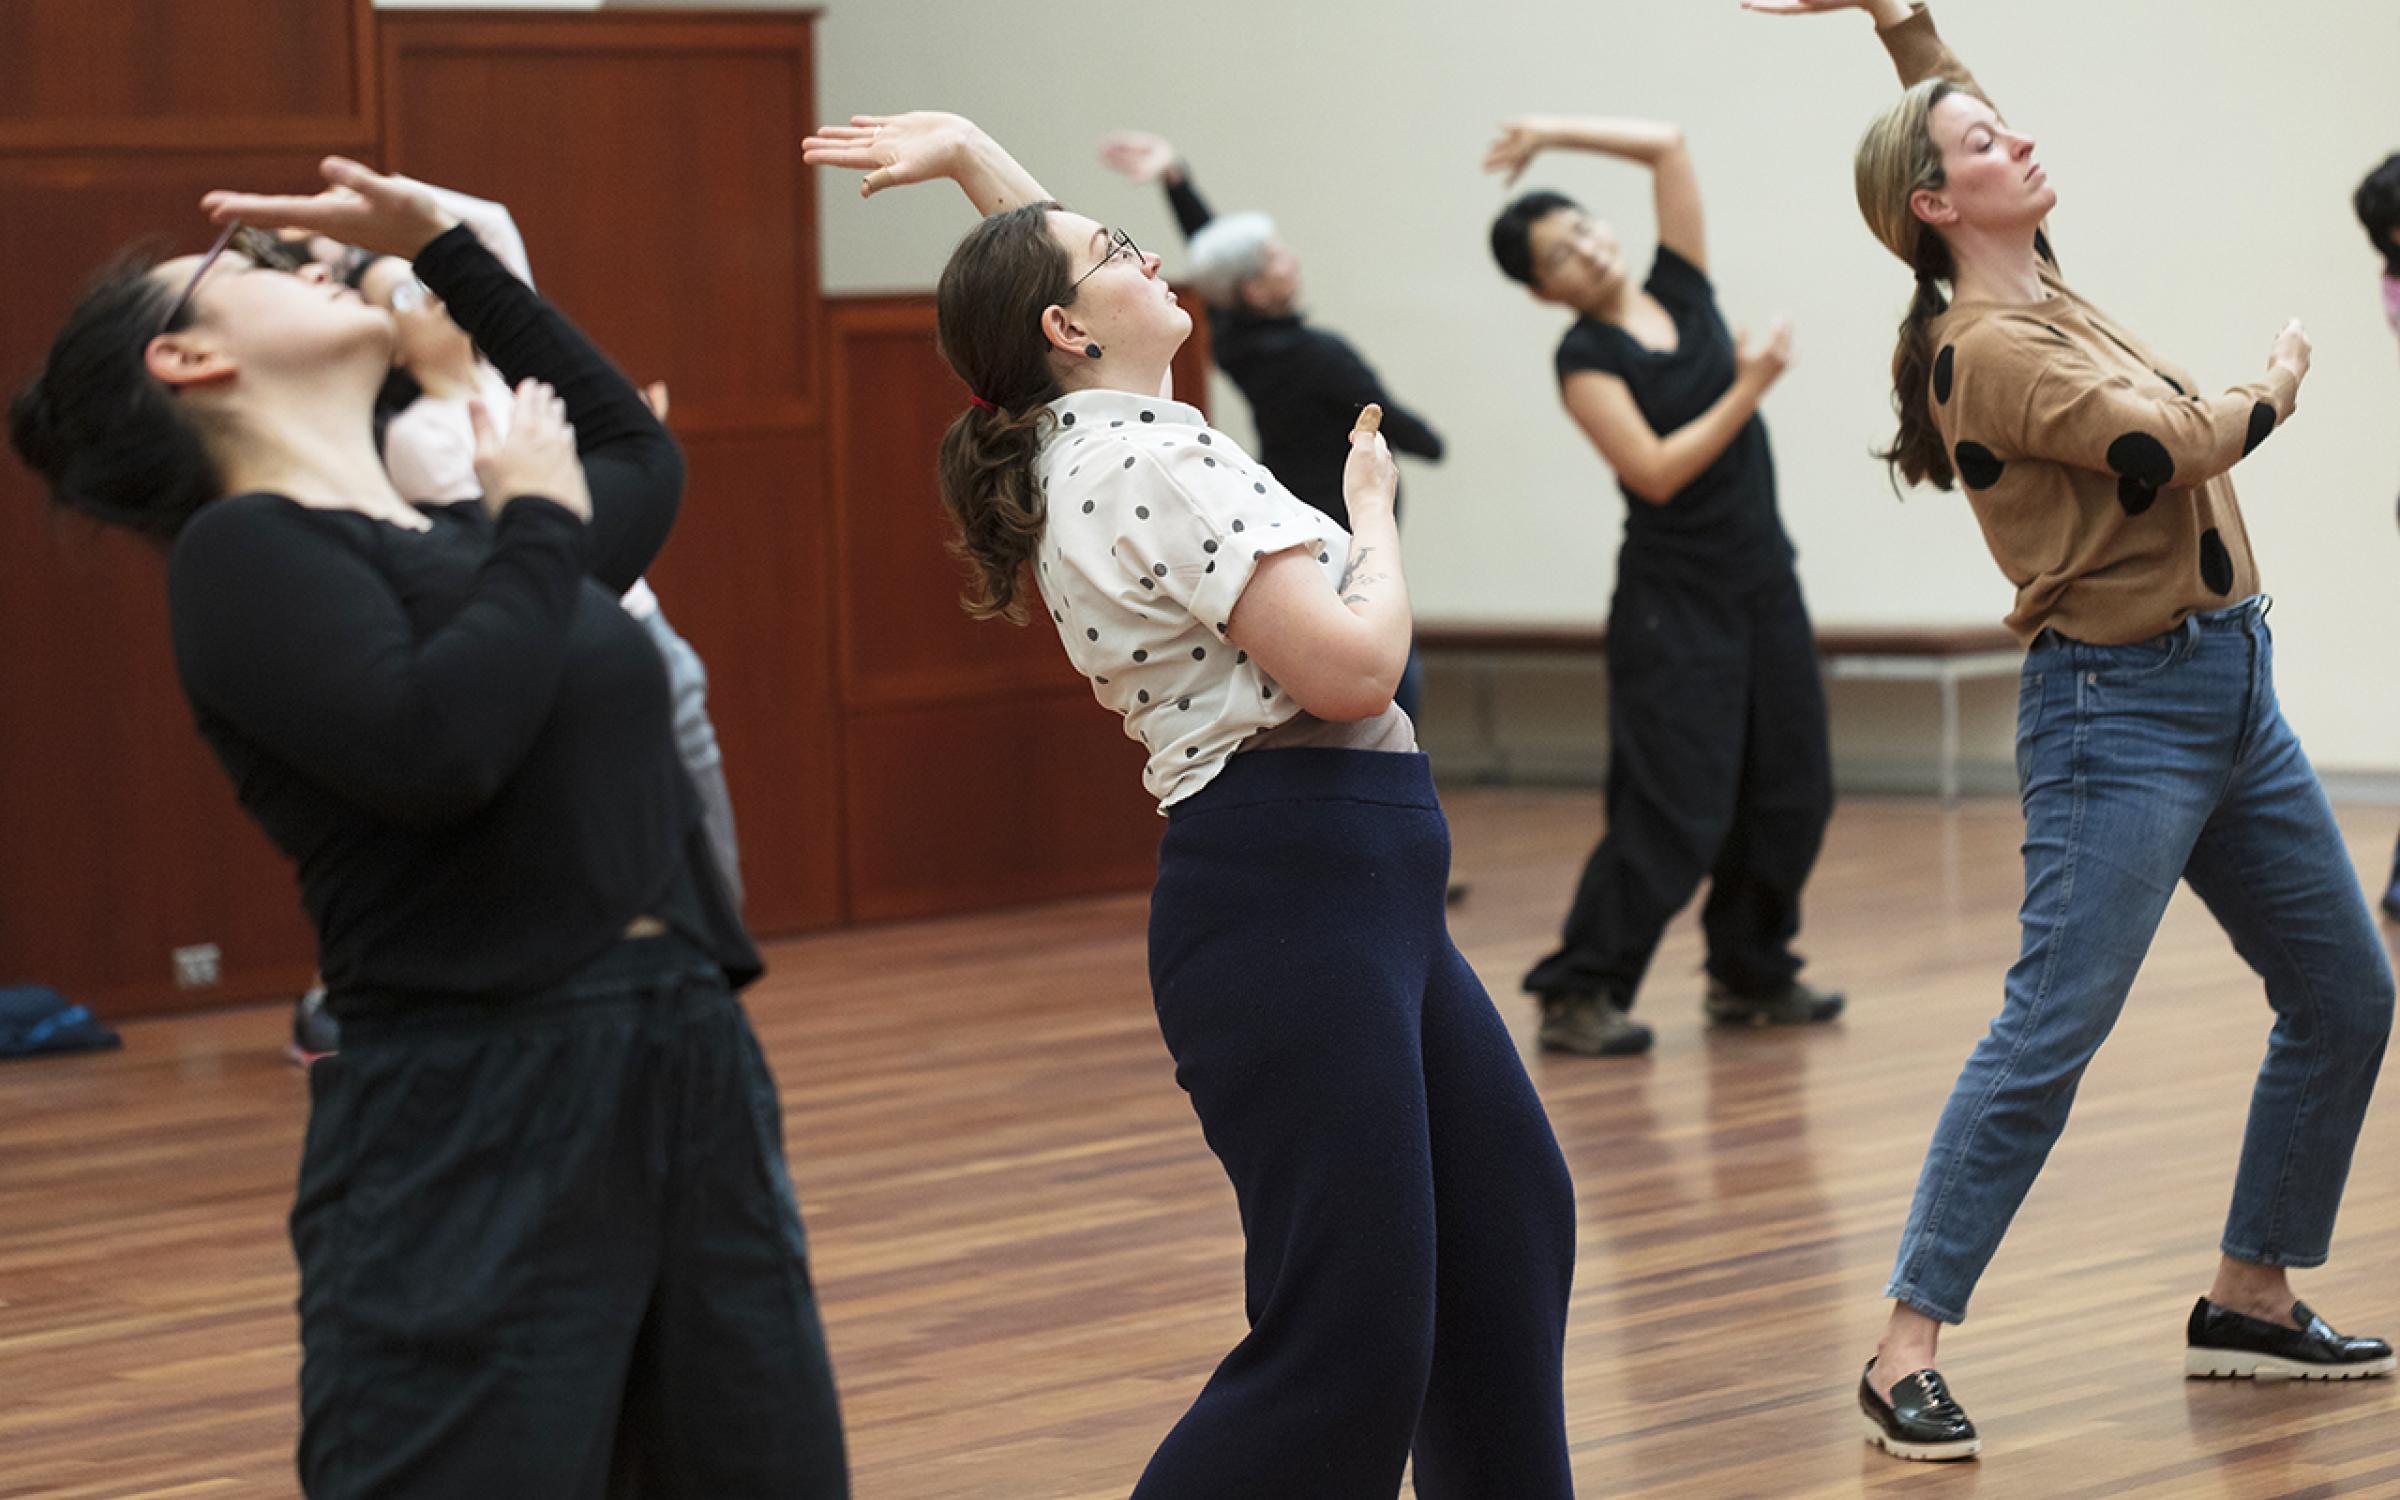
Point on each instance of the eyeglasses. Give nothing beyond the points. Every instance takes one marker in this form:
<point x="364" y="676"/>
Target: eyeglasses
<point x="1119" y="243"/>
<point x="259" y="247"/>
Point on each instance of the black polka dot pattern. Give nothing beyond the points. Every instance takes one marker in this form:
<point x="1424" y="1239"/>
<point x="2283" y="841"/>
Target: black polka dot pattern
<point x="1128" y="463"/>
<point x="1159" y="568"/>
<point x="2143" y="466"/>
<point x="1149" y="416"/>
<point x="1208" y="546"/>
<point x="2216" y="564"/>
<point x="2172" y="383"/>
<point x="1945" y="374"/>
<point x="1979" y="466"/>
<point x="1140" y="512"/>
<point x="1067" y="421"/>
<point x="1087" y="507"/>
<point x="1091" y="635"/>
<point x="2262" y="426"/>
<point x="1237" y="525"/>
<point x="1204" y="440"/>
<point x="1141" y="656"/>
<point x="1199" y="653"/>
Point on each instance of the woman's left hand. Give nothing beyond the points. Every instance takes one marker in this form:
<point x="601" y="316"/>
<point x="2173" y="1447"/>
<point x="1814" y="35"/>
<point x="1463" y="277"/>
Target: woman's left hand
<point x="1521" y="140"/>
<point x="923" y="145"/>
<point x="387" y="214"/>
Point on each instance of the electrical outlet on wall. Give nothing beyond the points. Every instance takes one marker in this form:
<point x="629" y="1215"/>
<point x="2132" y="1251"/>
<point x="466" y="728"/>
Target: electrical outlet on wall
<point x="198" y="967"/>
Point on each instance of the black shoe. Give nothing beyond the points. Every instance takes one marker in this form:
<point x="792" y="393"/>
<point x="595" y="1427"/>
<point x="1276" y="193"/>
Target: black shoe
<point x="314" y="1033"/>
<point x="1797" y="1003"/>
<point x="1921" y="1421"/>
<point x="2226" y="1343"/>
<point x="1590" y="1025"/>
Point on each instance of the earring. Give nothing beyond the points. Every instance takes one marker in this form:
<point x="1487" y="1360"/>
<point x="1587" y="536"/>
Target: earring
<point x="1091" y="351"/>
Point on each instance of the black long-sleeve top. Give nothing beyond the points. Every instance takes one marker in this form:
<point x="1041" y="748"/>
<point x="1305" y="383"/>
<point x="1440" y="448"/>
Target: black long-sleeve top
<point x="1304" y="385"/>
<point x="457" y="735"/>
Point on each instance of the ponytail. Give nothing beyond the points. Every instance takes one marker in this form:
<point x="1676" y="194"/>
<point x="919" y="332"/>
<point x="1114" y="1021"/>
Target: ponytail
<point x="1918" y="454"/>
<point x="1897" y="159"/>
<point x="988" y="308"/>
<point x="996" y="509"/>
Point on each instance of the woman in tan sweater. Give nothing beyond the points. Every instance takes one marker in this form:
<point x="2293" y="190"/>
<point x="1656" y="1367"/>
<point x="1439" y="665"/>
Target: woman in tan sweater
<point x="2149" y="744"/>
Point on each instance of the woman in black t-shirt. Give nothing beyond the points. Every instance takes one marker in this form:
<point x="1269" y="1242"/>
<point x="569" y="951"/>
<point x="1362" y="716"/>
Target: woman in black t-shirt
<point x="547" y="1240"/>
<point x="1718" y="765"/>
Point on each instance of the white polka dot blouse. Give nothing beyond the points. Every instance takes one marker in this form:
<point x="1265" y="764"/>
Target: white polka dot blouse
<point x="1155" y="524"/>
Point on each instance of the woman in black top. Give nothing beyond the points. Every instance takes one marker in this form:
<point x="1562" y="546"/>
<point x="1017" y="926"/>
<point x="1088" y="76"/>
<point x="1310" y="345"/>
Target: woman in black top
<point x="546" y="1237"/>
<point x="1718" y="765"/>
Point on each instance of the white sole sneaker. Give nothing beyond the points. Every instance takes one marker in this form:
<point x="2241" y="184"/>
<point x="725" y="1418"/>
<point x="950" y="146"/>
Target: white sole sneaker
<point x="2241" y="1364"/>
<point x="1928" y="1453"/>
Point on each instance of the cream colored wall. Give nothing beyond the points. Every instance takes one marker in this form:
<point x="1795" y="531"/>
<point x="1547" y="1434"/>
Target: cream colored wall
<point x="2204" y="150"/>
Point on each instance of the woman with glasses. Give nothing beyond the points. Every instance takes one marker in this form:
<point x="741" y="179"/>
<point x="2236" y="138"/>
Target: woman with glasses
<point x="2151" y="749"/>
<point x="1409" y="1220"/>
<point x="1718" y="762"/>
<point x="547" y="1242"/>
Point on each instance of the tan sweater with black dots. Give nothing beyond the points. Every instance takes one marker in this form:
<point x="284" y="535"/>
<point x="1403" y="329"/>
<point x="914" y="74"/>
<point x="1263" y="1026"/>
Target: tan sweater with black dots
<point x="2101" y="479"/>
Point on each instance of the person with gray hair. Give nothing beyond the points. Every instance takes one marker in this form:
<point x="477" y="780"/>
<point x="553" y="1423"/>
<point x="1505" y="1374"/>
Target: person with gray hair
<point x="1305" y="385"/>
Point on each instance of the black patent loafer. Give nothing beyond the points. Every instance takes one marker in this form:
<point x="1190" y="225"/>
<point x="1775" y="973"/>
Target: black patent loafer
<point x="1920" y="1422"/>
<point x="2224" y="1344"/>
<point x="1796" y="1003"/>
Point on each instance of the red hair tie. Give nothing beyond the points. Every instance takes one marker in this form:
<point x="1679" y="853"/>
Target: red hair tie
<point x="980" y="404"/>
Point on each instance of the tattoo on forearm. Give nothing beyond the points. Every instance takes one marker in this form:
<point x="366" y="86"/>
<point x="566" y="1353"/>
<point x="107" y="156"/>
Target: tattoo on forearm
<point x="1350" y="569"/>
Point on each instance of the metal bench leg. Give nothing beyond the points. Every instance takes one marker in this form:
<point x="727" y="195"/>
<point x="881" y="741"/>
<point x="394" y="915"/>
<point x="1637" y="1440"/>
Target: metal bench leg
<point x="1949" y="684"/>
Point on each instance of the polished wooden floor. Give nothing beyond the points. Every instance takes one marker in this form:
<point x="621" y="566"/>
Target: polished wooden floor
<point x="1029" y="1261"/>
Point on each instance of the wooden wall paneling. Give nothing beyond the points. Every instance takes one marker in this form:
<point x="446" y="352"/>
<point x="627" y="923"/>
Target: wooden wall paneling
<point x="980" y="772"/>
<point x="748" y="580"/>
<point x="653" y="163"/>
<point x="119" y="835"/>
<point x="957" y="807"/>
<point x="186" y="75"/>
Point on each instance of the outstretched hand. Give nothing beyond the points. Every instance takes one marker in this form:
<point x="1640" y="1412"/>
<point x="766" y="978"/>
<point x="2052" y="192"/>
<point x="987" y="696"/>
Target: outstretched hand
<point x="1139" y="155"/>
<point x="1521" y="140"/>
<point x="923" y="145"/>
<point x="390" y="215"/>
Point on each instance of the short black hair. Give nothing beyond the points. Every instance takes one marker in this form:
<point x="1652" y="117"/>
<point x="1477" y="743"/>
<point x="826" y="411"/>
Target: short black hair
<point x="2378" y="205"/>
<point x="1512" y="232"/>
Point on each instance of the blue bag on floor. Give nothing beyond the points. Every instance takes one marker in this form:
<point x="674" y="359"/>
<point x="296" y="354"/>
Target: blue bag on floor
<point x="35" y="1020"/>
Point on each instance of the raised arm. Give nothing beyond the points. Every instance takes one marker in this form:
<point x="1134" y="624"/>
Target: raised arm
<point x="1653" y="143"/>
<point x="923" y="146"/>
<point x="1152" y="158"/>
<point x="632" y="467"/>
<point x="493" y="224"/>
<point x="1655" y="467"/>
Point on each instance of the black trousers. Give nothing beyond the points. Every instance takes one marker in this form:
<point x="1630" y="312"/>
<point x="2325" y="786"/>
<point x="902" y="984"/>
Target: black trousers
<point x="548" y="1248"/>
<point x="1718" y="769"/>
<point x="1408" y="1221"/>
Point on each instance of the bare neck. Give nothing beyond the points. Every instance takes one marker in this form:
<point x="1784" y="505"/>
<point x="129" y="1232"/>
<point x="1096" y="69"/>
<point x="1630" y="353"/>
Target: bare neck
<point x="1997" y="268"/>
<point x="316" y="448"/>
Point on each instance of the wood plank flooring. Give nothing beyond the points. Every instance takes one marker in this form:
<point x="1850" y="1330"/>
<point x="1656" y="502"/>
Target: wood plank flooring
<point x="1029" y="1261"/>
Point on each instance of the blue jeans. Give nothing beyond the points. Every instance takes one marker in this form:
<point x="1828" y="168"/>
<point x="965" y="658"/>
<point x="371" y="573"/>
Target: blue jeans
<point x="2140" y="764"/>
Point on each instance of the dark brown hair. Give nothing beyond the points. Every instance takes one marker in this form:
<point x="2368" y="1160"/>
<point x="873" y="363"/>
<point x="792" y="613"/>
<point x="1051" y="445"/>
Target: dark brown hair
<point x="989" y="309"/>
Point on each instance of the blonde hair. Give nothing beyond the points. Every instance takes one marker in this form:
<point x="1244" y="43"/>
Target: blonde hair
<point x="1897" y="159"/>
